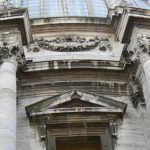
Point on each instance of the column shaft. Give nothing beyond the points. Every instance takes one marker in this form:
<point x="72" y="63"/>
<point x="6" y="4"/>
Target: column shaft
<point x="146" y="68"/>
<point x="8" y="105"/>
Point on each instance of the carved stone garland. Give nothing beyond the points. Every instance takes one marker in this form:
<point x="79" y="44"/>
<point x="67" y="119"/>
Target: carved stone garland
<point x="136" y="91"/>
<point x="10" y="50"/>
<point x="70" y="44"/>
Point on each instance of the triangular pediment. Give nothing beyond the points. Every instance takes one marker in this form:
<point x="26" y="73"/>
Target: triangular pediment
<point x="76" y="100"/>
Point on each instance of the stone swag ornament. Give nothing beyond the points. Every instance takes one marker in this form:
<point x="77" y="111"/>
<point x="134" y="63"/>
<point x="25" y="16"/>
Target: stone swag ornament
<point x="70" y="43"/>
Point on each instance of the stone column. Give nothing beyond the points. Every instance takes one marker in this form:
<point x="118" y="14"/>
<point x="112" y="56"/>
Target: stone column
<point x="146" y="70"/>
<point x="140" y="83"/>
<point x="9" y="54"/>
<point x="143" y="74"/>
<point x="143" y="54"/>
<point x="8" y="105"/>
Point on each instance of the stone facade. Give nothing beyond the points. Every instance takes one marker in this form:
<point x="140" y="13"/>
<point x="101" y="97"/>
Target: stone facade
<point x="75" y="80"/>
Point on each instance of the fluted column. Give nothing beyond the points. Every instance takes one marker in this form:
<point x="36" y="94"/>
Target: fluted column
<point x="9" y="55"/>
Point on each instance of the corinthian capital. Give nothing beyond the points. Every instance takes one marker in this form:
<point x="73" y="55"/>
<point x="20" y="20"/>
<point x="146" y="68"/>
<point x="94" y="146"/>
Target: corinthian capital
<point x="11" y="47"/>
<point x="142" y="51"/>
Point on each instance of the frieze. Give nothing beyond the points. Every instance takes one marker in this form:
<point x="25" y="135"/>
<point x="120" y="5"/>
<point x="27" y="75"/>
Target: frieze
<point x="136" y="91"/>
<point x="142" y="50"/>
<point x="70" y="43"/>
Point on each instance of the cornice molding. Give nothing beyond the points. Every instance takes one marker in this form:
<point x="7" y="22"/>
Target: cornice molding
<point x="59" y="104"/>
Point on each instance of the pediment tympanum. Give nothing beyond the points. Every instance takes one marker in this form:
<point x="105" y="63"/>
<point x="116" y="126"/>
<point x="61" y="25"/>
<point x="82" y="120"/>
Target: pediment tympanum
<point x="76" y="101"/>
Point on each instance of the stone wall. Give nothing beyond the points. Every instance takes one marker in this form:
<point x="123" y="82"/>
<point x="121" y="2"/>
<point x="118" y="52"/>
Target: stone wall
<point x="130" y="131"/>
<point x="33" y="87"/>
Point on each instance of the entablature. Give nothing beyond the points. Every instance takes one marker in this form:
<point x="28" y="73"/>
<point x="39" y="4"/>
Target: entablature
<point x="128" y="18"/>
<point x="18" y="18"/>
<point x="93" y="49"/>
<point x="14" y="33"/>
<point x="75" y="51"/>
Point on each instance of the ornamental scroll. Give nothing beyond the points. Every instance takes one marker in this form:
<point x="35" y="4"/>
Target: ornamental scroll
<point x="70" y="43"/>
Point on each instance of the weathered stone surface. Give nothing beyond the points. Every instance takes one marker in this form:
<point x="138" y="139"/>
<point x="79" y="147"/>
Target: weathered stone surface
<point x="114" y="3"/>
<point x="136" y="91"/>
<point x="71" y="43"/>
<point x="8" y="105"/>
<point x="95" y="68"/>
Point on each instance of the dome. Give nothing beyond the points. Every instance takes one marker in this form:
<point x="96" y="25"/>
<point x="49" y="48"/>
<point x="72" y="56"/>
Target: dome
<point x="61" y="8"/>
<point x="144" y="4"/>
<point x="86" y="8"/>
